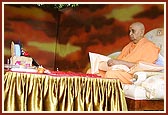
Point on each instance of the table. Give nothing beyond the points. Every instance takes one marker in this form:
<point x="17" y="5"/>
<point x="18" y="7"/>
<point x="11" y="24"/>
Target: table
<point x="45" y="92"/>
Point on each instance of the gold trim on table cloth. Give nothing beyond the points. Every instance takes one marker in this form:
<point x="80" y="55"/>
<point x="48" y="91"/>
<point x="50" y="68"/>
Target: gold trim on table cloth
<point x="42" y="92"/>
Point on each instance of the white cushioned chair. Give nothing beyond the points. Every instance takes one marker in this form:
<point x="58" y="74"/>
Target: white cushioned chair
<point x="148" y="85"/>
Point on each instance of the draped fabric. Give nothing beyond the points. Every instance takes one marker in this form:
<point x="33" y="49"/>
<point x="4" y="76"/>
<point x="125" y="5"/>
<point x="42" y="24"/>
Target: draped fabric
<point x="137" y="52"/>
<point x="42" y="92"/>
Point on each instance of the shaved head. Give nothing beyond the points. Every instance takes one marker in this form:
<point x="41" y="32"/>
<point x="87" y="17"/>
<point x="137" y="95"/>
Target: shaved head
<point x="137" y="31"/>
<point x="138" y="25"/>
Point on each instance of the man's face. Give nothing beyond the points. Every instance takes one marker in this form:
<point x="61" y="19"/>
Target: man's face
<point x="135" y="33"/>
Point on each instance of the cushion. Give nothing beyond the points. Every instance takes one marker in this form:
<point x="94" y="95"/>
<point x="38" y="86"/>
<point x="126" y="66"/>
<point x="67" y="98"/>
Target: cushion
<point x="139" y="77"/>
<point x="95" y="59"/>
<point x="155" y="87"/>
<point x="157" y="37"/>
<point x="114" y="55"/>
<point x="134" y="91"/>
<point x="160" y="60"/>
<point x="147" y="85"/>
<point x="144" y="66"/>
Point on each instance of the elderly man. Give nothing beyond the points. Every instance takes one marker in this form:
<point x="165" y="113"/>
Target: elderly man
<point x="139" y="49"/>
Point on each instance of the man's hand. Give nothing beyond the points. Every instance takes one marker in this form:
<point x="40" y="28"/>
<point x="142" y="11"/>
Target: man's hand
<point x="111" y="62"/>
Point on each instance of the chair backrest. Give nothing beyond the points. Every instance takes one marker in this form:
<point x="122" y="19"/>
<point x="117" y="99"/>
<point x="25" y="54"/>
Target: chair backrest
<point x="157" y="36"/>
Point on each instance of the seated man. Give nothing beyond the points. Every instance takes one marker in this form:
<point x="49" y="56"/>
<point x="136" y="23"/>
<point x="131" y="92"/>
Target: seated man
<point x="139" y="49"/>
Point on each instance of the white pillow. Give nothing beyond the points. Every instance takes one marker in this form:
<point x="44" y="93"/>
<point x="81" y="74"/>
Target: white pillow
<point x="160" y="60"/>
<point x="155" y="87"/>
<point x="157" y="37"/>
<point x="140" y="77"/>
<point x="144" y="66"/>
<point x="134" y="91"/>
<point x="95" y="59"/>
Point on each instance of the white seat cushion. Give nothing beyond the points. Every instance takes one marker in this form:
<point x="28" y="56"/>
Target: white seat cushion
<point x="134" y="92"/>
<point x="155" y="87"/>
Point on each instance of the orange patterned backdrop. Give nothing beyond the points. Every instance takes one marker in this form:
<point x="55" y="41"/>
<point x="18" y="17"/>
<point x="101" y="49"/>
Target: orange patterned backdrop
<point x="65" y="43"/>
